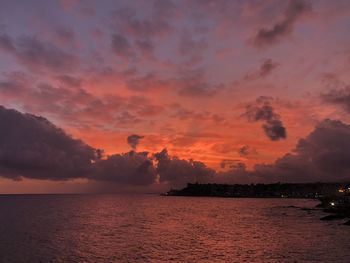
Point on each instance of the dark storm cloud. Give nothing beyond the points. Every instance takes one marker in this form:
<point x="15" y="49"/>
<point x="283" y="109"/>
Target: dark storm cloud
<point x="324" y="155"/>
<point x="133" y="140"/>
<point x="339" y="96"/>
<point x="32" y="147"/>
<point x="178" y="172"/>
<point x="130" y="168"/>
<point x="294" y="10"/>
<point x="138" y="168"/>
<point x="262" y="110"/>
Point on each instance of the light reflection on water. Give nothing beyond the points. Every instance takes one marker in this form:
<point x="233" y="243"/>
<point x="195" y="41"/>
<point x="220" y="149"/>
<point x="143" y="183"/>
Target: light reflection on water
<point x="147" y="228"/>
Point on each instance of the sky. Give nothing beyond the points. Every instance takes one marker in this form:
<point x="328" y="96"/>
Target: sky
<point x="147" y="95"/>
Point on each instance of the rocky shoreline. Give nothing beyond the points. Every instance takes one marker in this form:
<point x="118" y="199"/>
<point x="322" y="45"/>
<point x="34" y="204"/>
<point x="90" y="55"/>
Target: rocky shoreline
<point x="338" y="208"/>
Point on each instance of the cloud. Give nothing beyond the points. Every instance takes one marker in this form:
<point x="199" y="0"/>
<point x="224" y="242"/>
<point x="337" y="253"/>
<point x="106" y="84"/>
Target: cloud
<point x="294" y="10"/>
<point x="246" y="150"/>
<point x="6" y="43"/>
<point x="338" y="96"/>
<point x="70" y="80"/>
<point x="146" y="47"/>
<point x="193" y="84"/>
<point x="37" y="55"/>
<point x="133" y="140"/>
<point x="130" y="168"/>
<point x="178" y="172"/>
<point x="324" y="155"/>
<point x="68" y="101"/>
<point x="157" y="24"/>
<point x="13" y="85"/>
<point x="232" y="164"/>
<point x="71" y="104"/>
<point x="266" y="68"/>
<point x="146" y="82"/>
<point x="141" y="29"/>
<point x="262" y="110"/>
<point x="64" y="35"/>
<point x="185" y="114"/>
<point x="122" y="47"/>
<point x="150" y="110"/>
<point x="192" y="48"/>
<point x="126" y="118"/>
<point x="32" y="147"/>
<point x="163" y="9"/>
<point x="188" y="83"/>
<point x="200" y="90"/>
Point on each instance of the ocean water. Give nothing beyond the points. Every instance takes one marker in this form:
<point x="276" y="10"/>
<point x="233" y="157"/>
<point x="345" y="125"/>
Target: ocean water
<point x="150" y="228"/>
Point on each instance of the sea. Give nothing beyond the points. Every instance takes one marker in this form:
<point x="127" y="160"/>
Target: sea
<point x="153" y="228"/>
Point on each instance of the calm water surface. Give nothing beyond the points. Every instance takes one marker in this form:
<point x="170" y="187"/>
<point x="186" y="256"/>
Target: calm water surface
<point x="147" y="228"/>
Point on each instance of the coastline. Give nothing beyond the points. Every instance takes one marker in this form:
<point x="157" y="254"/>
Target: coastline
<point x="334" y="197"/>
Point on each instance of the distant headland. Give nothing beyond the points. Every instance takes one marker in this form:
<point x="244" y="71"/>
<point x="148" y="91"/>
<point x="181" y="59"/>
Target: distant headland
<point x="276" y="190"/>
<point x="334" y="197"/>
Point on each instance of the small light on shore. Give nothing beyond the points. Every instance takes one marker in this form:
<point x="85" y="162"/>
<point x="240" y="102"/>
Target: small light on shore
<point x="332" y="203"/>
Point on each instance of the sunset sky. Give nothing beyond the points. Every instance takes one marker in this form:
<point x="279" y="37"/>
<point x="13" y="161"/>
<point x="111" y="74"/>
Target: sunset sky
<point x="234" y="85"/>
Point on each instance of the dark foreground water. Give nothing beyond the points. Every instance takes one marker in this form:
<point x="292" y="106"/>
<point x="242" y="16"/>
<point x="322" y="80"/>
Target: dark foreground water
<point x="146" y="228"/>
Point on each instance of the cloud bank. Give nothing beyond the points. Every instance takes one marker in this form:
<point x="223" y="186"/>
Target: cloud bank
<point x="32" y="147"/>
<point x="324" y="155"/>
